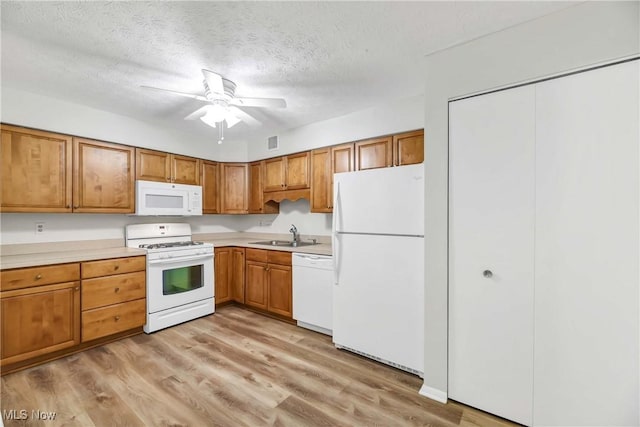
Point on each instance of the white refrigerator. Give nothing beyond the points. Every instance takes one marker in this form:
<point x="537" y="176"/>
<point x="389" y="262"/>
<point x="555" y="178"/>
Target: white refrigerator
<point x="378" y="252"/>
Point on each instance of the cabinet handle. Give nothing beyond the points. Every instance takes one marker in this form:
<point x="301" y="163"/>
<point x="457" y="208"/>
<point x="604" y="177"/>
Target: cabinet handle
<point x="39" y="276"/>
<point x="117" y="290"/>
<point x="77" y="288"/>
<point x="68" y="206"/>
<point x="488" y="274"/>
<point x="76" y="207"/>
<point x="117" y="267"/>
<point x="117" y="318"/>
<point x="267" y="268"/>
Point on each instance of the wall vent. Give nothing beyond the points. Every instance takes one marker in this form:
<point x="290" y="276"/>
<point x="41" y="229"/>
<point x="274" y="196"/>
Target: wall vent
<point x="272" y="143"/>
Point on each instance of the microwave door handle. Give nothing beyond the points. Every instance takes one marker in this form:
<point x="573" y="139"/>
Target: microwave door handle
<point x="174" y="260"/>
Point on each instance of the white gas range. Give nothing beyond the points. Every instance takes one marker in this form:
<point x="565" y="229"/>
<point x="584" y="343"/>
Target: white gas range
<point x="180" y="278"/>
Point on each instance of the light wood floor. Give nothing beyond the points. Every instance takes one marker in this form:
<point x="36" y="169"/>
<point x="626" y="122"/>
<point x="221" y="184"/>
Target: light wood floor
<point x="235" y="368"/>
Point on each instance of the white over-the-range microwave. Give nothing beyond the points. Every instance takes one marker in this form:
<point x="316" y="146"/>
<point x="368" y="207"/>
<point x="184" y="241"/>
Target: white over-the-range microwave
<point x="167" y="199"/>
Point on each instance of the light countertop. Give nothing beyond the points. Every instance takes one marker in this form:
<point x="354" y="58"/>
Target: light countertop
<point x="31" y="255"/>
<point x="65" y="256"/>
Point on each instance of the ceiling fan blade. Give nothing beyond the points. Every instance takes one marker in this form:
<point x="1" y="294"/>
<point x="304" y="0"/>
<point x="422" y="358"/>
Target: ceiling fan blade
<point x="259" y="102"/>
<point x="187" y="95"/>
<point x="244" y="116"/>
<point x="198" y="113"/>
<point x="214" y="81"/>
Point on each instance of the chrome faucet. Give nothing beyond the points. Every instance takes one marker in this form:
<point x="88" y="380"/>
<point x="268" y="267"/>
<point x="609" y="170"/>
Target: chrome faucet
<point x="294" y="230"/>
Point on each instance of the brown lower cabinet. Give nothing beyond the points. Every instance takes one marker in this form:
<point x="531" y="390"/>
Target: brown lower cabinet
<point x="268" y="281"/>
<point x="229" y="274"/>
<point x="54" y="310"/>
<point x="39" y="320"/>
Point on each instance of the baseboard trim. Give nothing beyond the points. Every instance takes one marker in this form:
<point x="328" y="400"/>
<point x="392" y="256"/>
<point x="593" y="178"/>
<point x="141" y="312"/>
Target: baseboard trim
<point x="433" y="394"/>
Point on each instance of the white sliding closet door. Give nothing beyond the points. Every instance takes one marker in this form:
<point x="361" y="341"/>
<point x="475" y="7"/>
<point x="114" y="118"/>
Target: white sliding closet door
<point x="586" y="276"/>
<point x="491" y="190"/>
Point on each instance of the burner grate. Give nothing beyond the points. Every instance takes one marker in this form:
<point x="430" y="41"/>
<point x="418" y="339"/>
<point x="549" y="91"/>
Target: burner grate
<point x="169" y="245"/>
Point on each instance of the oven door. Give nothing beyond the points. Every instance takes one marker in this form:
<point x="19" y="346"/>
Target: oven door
<point x="178" y="281"/>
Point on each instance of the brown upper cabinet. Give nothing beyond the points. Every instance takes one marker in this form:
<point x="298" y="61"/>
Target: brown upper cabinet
<point x="395" y="150"/>
<point x="287" y="172"/>
<point x="234" y="198"/>
<point x="36" y="171"/>
<point x="324" y="163"/>
<point x="154" y="165"/>
<point x="255" y="187"/>
<point x="374" y="153"/>
<point x="103" y="177"/>
<point x="408" y="148"/>
<point x="210" y="181"/>
<point x="256" y="191"/>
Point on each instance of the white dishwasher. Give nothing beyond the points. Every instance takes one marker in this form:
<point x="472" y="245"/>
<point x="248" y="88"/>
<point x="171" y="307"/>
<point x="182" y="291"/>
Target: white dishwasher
<point x="313" y="291"/>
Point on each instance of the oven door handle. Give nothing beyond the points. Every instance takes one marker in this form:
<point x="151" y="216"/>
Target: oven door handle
<point x="174" y="260"/>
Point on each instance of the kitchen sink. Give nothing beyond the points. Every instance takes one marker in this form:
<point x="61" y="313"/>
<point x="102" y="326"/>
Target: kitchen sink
<point x="287" y="243"/>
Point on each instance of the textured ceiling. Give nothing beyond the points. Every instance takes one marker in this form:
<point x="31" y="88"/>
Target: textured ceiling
<point x="325" y="58"/>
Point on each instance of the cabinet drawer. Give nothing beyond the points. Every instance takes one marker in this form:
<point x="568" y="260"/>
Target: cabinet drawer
<point x="109" y="290"/>
<point x="36" y="276"/>
<point x="113" y="266"/>
<point x="101" y="322"/>
<point x="279" y="257"/>
<point x="259" y="255"/>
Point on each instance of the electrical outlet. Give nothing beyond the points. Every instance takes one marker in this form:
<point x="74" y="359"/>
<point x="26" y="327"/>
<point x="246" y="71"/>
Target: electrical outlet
<point x="40" y="227"/>
<point x="266" y="222"/>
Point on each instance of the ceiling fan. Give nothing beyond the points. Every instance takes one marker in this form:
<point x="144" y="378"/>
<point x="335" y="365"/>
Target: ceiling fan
<point x="222" y="104"/>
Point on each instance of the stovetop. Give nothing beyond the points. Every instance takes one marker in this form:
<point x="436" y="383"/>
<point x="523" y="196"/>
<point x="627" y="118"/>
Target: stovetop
<point x="152" y="246"/>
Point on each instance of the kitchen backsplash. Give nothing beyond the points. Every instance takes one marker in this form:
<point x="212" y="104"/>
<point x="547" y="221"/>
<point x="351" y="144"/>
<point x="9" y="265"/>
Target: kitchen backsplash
<point x="21" y="227"/>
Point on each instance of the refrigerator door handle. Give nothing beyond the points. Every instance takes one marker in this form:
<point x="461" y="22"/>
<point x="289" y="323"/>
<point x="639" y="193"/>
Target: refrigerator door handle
<point x="336" y="236"/>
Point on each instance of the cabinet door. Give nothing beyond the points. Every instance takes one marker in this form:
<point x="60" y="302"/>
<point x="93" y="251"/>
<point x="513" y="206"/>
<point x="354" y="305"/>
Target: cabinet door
<point x="279" y="289"/>
<point x="255" y="187"/>
<point x="298" y="171"/>
<point x="36" y="171"/>
<point x="210" y="186"/>
<point x="153" y="165"/>
<point x="185" y="170"/>
<point x="234" y="185"/>
<point x="274" y="174"/>
<point x="237" y="274"/>
<point x="256" y="284"/>
<point x="223" y="274"/>
<point x="408" y="148"/>
<point x="103" y="177"/>
<point x="374" y="153"/>
<point x="321" y="180"/>
<point x="491" y="229"/>
<point x="341" y="161"/>
<point x="39" y="320"/>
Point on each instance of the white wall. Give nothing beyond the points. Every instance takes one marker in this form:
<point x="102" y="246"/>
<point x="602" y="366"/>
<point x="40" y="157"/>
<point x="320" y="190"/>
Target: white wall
<point x="393" y="117"/>
<point x="42" y="112"/>
<point x="588" y="33"/>
<point x="20" y="227"/>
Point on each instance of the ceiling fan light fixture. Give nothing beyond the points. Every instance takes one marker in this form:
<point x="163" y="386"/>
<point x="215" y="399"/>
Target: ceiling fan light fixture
<point x="208" y="120"/>
<point x="231" y="120"/>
